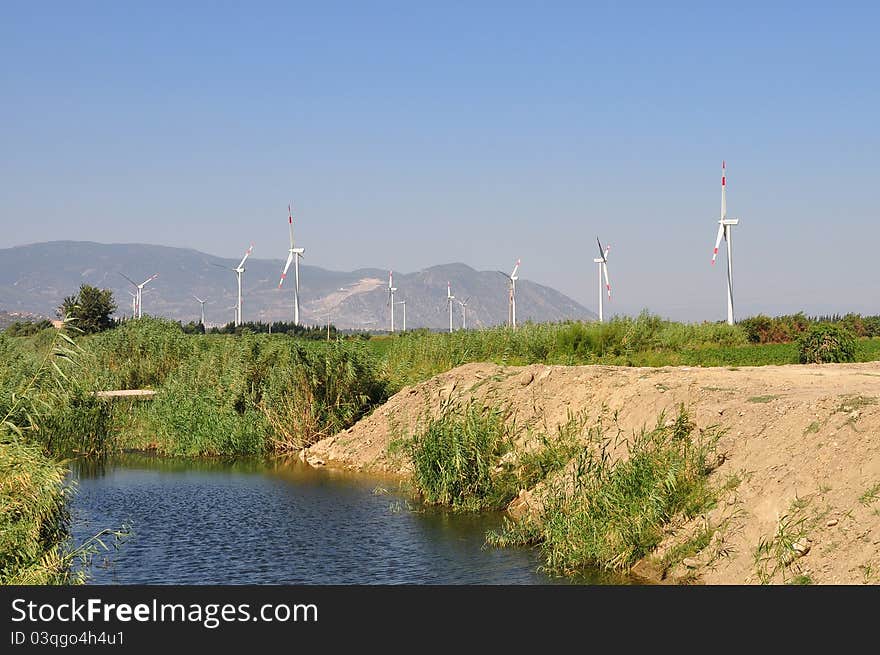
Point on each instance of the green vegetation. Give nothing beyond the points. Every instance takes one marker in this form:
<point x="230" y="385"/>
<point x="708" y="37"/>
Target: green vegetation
<point x="27" y="328"/>
<point x="454" y="457"/>
<point x="464" y="458"/>
<point x="90" y="308"/>
<point x="871" y="495"/>
<point x="762" y="399"/>
<point x="824" y="343"/>
<point x="34" y="523"/>
<point x="609" y="508"/>
<point x="643" y="341"/>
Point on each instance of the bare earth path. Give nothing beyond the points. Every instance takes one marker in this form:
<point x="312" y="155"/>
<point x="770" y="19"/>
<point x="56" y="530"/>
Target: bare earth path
<point x="803" y="442"/>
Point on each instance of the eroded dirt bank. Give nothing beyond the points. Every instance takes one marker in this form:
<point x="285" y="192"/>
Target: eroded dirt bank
<point x="802" y="445"/>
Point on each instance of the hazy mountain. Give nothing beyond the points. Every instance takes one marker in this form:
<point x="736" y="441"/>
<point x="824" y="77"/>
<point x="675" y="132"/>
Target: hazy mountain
<point x="35" y="278"/>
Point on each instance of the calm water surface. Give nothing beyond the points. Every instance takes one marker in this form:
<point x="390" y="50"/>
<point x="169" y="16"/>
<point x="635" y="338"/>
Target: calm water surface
<point x="251" y="521"/>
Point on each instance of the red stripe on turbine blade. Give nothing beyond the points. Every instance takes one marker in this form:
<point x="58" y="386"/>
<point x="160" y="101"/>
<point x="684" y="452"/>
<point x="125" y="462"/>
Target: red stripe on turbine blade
<point x="723" y="181"/>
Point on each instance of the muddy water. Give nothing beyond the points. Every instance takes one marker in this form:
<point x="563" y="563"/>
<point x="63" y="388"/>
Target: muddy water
<point x="252" y="521"/>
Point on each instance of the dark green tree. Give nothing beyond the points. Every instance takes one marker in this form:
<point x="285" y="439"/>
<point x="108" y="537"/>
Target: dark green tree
<point x="91" y="308"/>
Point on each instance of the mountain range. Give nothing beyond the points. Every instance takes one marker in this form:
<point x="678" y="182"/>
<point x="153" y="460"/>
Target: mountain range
<point x="35" y="278"/>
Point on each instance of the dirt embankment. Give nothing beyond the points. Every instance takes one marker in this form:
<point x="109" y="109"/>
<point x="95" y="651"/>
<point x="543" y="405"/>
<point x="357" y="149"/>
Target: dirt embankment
<point x="801" y="452"/>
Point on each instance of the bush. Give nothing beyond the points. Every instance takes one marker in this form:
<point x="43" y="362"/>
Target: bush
<point x="824" y="343"/>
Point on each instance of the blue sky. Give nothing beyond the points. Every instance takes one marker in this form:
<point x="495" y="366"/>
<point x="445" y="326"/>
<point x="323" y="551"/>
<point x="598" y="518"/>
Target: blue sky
<point x="413" y="134"/>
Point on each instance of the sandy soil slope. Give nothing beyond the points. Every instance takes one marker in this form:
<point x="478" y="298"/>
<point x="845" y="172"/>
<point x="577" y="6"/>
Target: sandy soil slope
<point x="803" y="442"/>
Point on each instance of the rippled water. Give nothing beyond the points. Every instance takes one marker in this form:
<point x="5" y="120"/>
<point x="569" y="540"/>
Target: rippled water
<point x="213" y="522"/>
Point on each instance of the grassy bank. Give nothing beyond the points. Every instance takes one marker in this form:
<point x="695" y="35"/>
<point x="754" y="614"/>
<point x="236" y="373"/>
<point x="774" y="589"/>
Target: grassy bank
<point x="606" y="500"/>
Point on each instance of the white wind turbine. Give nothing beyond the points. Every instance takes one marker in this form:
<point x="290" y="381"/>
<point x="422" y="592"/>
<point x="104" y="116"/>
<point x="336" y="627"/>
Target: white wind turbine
<point x="602" y="261"/>
<point x="133" y="304"/>
<point x="724" y="231"/>
<point x="511" y="295"/>
<point x="464" y="305"/>
<point x="391" y="290"/>
<point x="238" y="270"/>
<point x="449" y="299"/>
<point x="139" y="291"/>
<point x="202" y="303"/>
<point x="403" y="302"/>
<point x="293" y="255"/>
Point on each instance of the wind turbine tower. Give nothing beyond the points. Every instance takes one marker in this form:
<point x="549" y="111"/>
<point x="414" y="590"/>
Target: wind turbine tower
<point x="724" y="231"/>
<point x="511" y="295"/>
<point x="449" y="299"/>
<point x="202" y="303"/>
<point x="464" y="305"/>
<point x="293" y="255"/>
<point x="602" y="261"/>
<point x="238" y="270"/>
<point x="391" y="290"/>
<point x="403" y="302"/>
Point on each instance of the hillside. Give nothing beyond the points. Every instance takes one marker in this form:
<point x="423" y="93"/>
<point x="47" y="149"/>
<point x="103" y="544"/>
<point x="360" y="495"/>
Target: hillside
<point x="35" y="278"/>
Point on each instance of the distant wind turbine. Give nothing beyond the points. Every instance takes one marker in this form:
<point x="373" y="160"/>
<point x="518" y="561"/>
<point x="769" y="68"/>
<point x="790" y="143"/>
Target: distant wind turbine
<point x="724" y="231"/>
<point x="464" y="305"/>
<point x="602" y="261"/>
<point x="202" y="303"/>
<point x="238" y="270"/>
<point x="403" y="302"/>
<point x="293" y="255"/>
<point x="140" y="288"/>
<point x="449" y="299"/>
<point x="391" y="290"/>
<point x="511" y="295"/>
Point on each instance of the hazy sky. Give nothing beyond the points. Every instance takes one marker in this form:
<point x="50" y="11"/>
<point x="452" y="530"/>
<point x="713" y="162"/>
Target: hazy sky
<point x="410" y="134"/>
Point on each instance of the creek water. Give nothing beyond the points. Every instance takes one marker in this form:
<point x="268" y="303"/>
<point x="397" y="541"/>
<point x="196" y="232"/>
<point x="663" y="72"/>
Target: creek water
<point x="196" y="521"/>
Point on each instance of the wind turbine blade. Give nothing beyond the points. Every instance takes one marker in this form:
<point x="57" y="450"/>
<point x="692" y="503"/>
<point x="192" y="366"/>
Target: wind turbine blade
<point x="199" y="299"/>
<point x="601" y="250"/>
<point x="607" y="281"/>
<point x="225" y="268"/>
<point x="718" y="241"/>
<point x="504" y="274"/>
<point x="515" y="269"/>
<point x="149" y="279"/>
<point x="246" y="255"/>
<point x="290" y="223"/>
<point x="286" y="266"/>
<point x="129" y="279"/>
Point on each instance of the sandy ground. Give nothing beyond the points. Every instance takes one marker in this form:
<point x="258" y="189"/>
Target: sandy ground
<point x="803" y="441"/>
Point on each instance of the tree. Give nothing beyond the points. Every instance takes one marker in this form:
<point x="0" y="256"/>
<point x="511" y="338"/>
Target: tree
<point x="91" y="308"/>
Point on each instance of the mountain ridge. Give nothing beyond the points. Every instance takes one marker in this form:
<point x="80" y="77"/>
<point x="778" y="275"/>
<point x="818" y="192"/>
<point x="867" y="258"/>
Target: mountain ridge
<point x="36" y="277"/>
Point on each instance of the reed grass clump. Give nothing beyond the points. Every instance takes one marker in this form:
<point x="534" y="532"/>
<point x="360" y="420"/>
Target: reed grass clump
<point x="455" y="457"/>
<point x="33" y="514"/>
<point x="253" y="394"/>
<point x="41" y="410"/>
<point x="607" y="510"/>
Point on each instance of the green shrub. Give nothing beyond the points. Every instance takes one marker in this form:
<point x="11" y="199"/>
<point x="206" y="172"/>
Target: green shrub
<point x="825" y="342"/>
